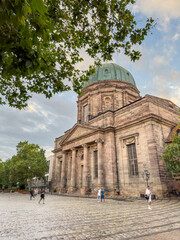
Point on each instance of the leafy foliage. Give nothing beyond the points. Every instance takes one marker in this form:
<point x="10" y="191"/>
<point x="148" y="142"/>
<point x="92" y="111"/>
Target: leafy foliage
<point x="29" y="162"/>
<point x="172" y="157"/>
<point x="4" y="173"/>
<point x="41" y="43"/>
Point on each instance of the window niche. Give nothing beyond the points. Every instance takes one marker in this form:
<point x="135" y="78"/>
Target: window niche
<point x="95" y="164"/>
<point x="107" y="103"/>
<point x="60" y="170"/>
<point x="132" y="158"/>
<point x="82" y="175"/>
<point x="130" y="142"/>
<point x="85" y="113"/>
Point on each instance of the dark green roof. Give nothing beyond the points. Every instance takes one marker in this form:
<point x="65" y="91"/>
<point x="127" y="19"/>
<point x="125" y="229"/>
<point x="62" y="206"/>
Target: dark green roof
<point x="110" y="71"/>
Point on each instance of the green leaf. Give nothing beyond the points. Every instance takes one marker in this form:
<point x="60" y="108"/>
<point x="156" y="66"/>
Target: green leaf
<point x="38" y="5"/>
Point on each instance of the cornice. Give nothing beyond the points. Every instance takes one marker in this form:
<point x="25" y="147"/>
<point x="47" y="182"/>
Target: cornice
<point x="84" y="136"/>
<point x="162" y="103"/>
<point x="57" y="150"/>
<point x="106" y="83"/>
<point x="146" y="118"/>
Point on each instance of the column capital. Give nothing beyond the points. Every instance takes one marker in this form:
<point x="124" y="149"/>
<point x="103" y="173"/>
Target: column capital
<point x="99" y="140"/>
<point x="84" y="145"/>
<point x="73" y="149"/>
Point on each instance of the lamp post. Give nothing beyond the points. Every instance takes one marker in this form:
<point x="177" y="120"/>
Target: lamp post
<point x="146" y="176"/>
<point x="88" y="178"/>
<point x="29" y="180"/>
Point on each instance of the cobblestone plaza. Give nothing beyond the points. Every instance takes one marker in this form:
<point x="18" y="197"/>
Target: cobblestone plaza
<point x="82" y="218"/>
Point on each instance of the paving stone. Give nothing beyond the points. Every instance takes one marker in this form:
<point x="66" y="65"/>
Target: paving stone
<point x="68" y="218"/>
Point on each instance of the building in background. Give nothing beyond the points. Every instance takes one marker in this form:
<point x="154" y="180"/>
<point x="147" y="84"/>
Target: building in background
<point x="119" y="136"/>
<point x="46" y="182"/>
<point x="48" y="176"/>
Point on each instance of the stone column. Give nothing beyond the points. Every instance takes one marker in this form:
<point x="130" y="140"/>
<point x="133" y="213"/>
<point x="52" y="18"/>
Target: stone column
<point x="73" y="169"/>
<point x="59" y="159"/>
<point x="69" y="171"/>
<point x="85" y="165"/>
<point x="63" y="174"/>
<point x="100" y="162"/>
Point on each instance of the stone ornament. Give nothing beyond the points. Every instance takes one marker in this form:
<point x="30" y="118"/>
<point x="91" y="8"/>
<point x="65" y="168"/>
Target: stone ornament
<point x="130" y="139"/>
<point x="99" y="140"/>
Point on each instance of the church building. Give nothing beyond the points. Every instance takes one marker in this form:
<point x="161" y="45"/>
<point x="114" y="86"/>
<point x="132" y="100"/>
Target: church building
<point x="118" y="140"/>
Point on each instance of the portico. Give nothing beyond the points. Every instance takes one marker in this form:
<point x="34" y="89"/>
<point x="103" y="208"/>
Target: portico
<point x="79" y="162"/>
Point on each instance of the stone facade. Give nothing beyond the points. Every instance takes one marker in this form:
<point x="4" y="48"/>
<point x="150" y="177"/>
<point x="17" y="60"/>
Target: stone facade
<point x="117" y="136"/>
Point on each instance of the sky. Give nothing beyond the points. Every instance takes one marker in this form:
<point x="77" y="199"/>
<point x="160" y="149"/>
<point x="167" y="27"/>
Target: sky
<point x="157" y="73"/>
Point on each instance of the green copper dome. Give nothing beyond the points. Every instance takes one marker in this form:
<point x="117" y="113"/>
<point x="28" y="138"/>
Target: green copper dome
<point x="110" y="71"/>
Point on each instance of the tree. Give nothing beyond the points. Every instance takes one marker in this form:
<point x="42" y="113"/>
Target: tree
<point x="41" y="43"/>
<point x="29" y="162"/>
<point x="4" y="173"/>
<point x="172" y="157"/>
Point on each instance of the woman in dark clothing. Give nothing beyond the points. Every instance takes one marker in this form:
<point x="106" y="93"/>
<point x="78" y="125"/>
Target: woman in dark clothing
<point x="31" y="194"/>
<point x="42" y="197"/>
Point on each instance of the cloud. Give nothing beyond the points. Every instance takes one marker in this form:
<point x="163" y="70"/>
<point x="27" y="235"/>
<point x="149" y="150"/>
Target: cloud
<point x="176" y="37"/>
<point x="165" y="82"/>
<point x="158" y="8"/>
<point x="157" y="70"/>
<point x="42" y="122"/>
<point x="160" y="60"/>
<point x="163" y="11"/>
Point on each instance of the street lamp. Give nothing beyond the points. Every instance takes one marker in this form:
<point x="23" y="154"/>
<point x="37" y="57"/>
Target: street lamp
<point x="146" y="175"/>
<point x="88" y="179"/>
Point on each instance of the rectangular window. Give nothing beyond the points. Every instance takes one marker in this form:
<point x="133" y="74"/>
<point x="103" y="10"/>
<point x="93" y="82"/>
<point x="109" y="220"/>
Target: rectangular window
<point x="60" y="170"/>
<point x="82" y="174"/>
<point x="132" y="157"/>
<point x="85" y="112"/>
<point x="95" y="164"/>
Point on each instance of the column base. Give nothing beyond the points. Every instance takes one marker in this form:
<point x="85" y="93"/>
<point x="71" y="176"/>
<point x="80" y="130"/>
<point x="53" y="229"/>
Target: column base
<point x="84" y="190"/>
<point x="62" y="190"/>
<point x="71" y="190"/>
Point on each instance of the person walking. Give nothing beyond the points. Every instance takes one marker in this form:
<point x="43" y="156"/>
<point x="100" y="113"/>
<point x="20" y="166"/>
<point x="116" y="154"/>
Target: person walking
<point x="42" y="197"/>
<point x="99" y="195"/>
<point x="36" y="192"/>
<point x="148" y="194"/>
<point x="102" y="194"/>
<point x="31" y="193"/>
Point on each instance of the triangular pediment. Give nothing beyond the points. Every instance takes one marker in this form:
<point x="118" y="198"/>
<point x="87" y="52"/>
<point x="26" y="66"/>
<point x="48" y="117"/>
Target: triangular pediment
<point x="78" y="131"/>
